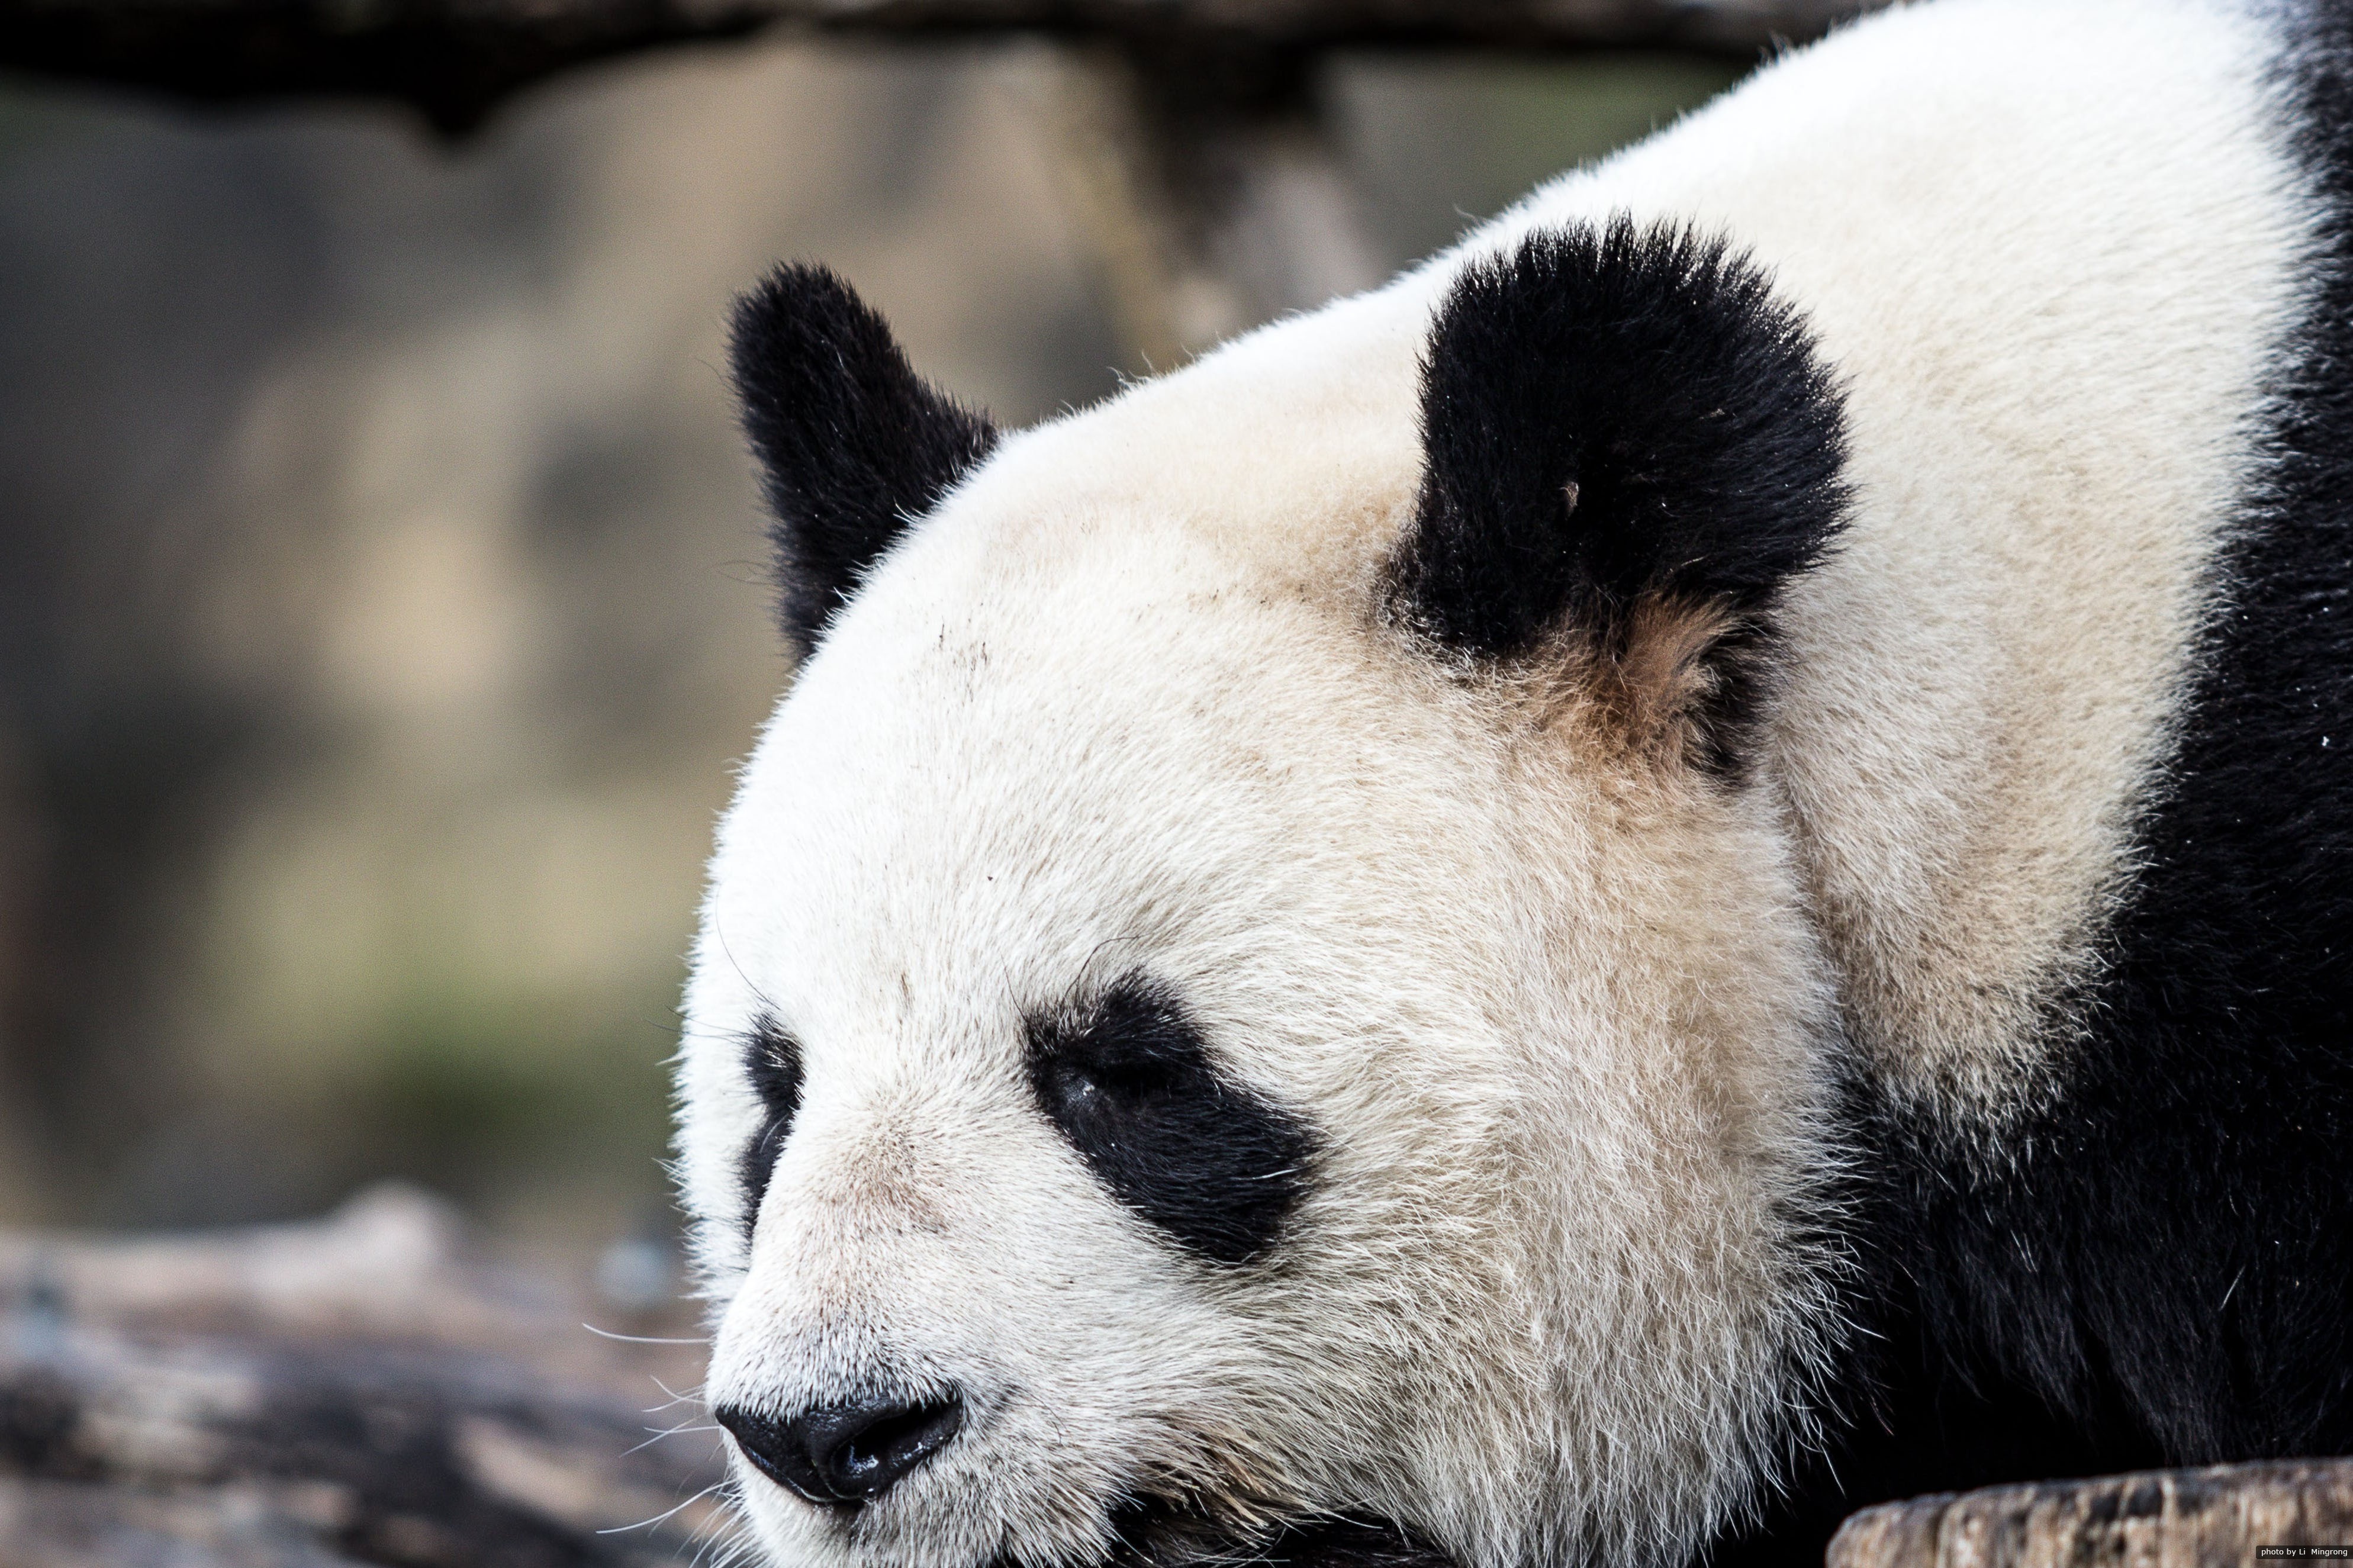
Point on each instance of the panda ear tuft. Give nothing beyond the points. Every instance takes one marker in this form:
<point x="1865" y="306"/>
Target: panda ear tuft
<point x="1630" y="447"/>
<point x="852" y="445"/>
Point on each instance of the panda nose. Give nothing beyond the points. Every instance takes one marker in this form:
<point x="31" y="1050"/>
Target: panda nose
<point x="845" y="1453"/>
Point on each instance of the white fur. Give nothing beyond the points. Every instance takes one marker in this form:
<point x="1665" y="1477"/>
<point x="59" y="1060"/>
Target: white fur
<point x="2050" y="266"/>
<point x="1125" y="701"/>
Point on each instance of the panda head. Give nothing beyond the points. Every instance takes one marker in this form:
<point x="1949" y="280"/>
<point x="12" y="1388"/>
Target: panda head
<point x="1249" y="1000"/>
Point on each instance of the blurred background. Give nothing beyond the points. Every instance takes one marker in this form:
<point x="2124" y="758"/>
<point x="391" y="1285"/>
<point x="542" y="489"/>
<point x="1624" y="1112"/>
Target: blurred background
<point x="381" y="601"/>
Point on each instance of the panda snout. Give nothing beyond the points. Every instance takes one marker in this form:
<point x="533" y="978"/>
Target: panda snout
<point x="845" y="1453"/>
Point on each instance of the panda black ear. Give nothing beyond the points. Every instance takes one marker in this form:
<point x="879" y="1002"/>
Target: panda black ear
<point x="1630" y="447"/>
<point x="852" y="444"/>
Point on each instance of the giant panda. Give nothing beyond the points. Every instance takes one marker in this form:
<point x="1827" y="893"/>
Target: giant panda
<point x="1691" y="868"/>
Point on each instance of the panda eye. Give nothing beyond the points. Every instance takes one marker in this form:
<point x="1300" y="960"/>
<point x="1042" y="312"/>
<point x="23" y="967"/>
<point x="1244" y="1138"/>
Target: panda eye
<point x="1129" y="1054"/>
<point x="1119" y="1082"/>
<point x="772" y="1060"/>
<point x="1128" y="1082"/>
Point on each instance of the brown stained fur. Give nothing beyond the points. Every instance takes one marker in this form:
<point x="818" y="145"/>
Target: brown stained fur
<point x="1634" y="697"/>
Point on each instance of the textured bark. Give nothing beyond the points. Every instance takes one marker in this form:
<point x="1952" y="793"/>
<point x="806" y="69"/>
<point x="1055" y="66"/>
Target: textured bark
<point x="350" y="1392"/>
<point x="2218" y="1517"/>
<point x="456" y="60"/>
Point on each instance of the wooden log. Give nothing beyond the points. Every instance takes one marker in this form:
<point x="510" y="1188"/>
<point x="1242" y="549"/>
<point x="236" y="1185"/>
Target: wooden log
<point x="456" y="60"/>
<point x="2228" y="1516"/>
<point x="1192" y="148"/>
<point x="355" y="1391"/>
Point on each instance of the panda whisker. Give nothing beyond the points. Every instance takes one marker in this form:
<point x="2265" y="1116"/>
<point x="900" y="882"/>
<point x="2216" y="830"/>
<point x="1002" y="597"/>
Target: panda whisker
<point x="666" y="1513"/>
<point x="720" y="1539"/>
<point x="692" y="1396"/>
<point x="673" y="1432"/>
<point x="766" y="1003"/>
<point x="716" y="1552"/>
<point x="638" y="1339"/>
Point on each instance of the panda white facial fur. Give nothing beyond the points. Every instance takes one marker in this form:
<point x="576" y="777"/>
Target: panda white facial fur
<point x="1684" y="872"/>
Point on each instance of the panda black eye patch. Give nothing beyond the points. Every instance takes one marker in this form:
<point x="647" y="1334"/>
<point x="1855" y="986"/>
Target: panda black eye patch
<point x="772" y="1060"/>
<point x="1127" y="1081"/>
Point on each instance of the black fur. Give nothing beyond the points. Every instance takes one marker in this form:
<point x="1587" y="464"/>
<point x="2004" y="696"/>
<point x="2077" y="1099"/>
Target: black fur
<point x="1127" y="1080"/>
<point x="2158" y="1269"/>
<point x="1351" y="1544"/>
<point x="1615" y="416"/>
<point x="852" y="445"/>
<point x="772" y="1060"/>
<point x="1155" y="1533"/>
